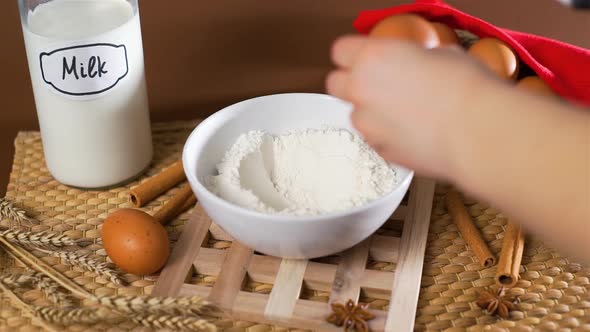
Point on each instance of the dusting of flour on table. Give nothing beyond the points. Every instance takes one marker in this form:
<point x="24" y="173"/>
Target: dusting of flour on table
<point x="304" y="172"/>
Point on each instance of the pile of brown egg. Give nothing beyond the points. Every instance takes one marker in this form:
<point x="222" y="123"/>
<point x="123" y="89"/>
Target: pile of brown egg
<point x="492" y="52"/>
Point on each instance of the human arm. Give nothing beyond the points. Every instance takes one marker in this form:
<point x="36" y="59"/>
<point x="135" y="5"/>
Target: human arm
<point x="442" y="114"/>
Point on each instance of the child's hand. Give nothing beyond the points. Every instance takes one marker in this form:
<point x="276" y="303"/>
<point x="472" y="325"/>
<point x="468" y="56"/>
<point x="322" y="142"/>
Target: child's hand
<point x="407" y="100"/>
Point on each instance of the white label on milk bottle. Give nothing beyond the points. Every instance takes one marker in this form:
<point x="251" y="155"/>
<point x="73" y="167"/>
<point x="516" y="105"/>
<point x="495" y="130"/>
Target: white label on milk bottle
<point x="84" y="71"/>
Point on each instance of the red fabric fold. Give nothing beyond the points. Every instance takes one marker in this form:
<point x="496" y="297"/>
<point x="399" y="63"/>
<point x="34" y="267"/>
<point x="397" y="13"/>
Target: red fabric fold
<point x="565" y="67"/>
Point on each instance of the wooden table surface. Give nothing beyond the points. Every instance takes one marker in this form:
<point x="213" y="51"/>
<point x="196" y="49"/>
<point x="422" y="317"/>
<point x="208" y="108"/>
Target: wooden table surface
<point x="202" y="55"/>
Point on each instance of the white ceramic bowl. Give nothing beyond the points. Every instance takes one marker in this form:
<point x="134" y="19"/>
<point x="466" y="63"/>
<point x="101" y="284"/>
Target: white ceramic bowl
<point x="284" y="236"/>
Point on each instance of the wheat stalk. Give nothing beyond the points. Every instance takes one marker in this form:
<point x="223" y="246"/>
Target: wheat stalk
<point x="28" y="311"/>
<point x="46" y="285"/>
<point x="174" y="323"/>
<point x="41" y="239"/>
<point x="28" y="259"/>
<point x="52" y="290"/>
<point x="87" y="263"/>
<point x="9" y="211"/>
<point x="69" y="316"/>
<point x="155" y="312"/>
<point x="16" y="280"/>
<point x="189" y="306"/>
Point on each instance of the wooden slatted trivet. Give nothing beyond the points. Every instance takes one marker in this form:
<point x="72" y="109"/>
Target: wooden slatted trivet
<point x="345" y="281"/>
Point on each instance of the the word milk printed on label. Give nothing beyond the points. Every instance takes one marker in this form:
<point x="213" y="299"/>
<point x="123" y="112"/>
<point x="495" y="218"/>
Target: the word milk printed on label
<point x="84" y="70"/>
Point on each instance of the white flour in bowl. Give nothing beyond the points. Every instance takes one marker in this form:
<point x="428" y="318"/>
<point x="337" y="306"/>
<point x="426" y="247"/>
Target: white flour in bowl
<point x="305" y="172"/>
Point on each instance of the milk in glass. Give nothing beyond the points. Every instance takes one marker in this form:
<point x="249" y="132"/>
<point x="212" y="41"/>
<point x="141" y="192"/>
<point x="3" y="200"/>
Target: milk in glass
<point x="86" y="65"/>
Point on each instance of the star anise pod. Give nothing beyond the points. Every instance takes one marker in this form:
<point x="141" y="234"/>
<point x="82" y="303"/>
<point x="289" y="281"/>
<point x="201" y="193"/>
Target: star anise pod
<point x="496" y="303"/>
<point x="352" y="316"/>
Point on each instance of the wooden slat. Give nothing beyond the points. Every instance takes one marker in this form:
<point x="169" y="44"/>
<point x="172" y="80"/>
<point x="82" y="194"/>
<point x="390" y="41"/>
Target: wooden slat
<point x="306" y="314"/>
<point x="231" y="277"/>
<point x="286" y="289"/>
<point x="318" y="276"/>
<point x="184" y="253"/>
<point x="384" y="248"/>
<point x="219" y="234"/>
<point x="349" y="273"/>
<point x="406" y="286"/>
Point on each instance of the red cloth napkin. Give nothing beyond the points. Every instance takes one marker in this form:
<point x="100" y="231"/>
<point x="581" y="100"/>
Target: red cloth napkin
<point x="565" y="67"/>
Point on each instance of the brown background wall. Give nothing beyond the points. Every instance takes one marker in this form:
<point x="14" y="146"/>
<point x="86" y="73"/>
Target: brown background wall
<point x="201" y="55"/>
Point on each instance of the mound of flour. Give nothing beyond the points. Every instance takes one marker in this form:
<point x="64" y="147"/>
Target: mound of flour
<point x="306" y="172"/>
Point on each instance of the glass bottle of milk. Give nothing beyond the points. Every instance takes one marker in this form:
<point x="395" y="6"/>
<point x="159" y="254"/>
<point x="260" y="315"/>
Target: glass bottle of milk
<point x="86" y="65"/>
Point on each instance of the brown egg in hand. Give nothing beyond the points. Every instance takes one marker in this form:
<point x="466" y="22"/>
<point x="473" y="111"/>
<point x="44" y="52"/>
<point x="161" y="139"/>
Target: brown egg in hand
<point x="408" y="27"/>
<point x="135" y="241"/>
<point x="535" y="85"/>
<point x="446" y="35"/>
<point x="497" y="56"/>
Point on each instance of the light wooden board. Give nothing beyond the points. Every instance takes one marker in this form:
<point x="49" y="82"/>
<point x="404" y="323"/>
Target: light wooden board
<point x="231" y="276"/>
<point x="350" y="271"/>
<point x="406" y="286"/>
<point x="286" y="290"/>
<point x="186" y="249"/>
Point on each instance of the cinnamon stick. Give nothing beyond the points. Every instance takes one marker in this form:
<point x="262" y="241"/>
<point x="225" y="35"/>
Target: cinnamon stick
<point x="468" y="229"/>
<point x="181" y="201"/>
<point x="189" y="203"/>
<point x="155" y="186"/>
<point x="508" y="271"/>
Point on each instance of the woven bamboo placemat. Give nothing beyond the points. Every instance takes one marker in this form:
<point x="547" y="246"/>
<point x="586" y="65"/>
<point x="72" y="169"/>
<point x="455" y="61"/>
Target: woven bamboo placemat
<point x="554" y="291"/>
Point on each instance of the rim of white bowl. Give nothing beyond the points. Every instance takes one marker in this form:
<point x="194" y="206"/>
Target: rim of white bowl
<point x="193" y="178"/>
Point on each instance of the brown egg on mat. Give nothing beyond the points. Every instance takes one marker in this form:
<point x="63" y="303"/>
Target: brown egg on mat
<point x="135" y="241"/>
<point x="446" y="35"/>
<point x="497" y="56"/>
<point x="407" y="27"/>
<point x="536" y="85"/>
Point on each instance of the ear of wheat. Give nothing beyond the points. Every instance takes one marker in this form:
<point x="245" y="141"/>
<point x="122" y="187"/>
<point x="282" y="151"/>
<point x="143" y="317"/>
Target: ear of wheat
<point x="53" y="291"/>
<point x="67" y="316"/>
<point x="9" y="211"/>
<point x="16" y="280"/>
<point x="26" y="258"/>
<point x="27" y="310"/>
<point x="46" y="285"/>
<point x="188" y="306"/>
<point x="155" y="312"/>
<point x="174" y="323"/>
<point x="89" y="264"/>
<point x="41" y="239"/>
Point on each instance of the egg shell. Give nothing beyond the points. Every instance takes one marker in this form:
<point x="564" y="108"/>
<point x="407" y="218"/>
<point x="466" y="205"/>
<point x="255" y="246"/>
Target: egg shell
<point x="135" y="241"/>
<point x="446" y="35"/>
<point x="408" y="27"/>
<point x="497" y="56"/>
<point x="536" y="85"/>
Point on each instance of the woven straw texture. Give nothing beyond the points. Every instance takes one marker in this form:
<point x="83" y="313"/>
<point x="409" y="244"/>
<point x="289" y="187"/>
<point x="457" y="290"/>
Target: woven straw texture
<point x="554" y="291"/>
